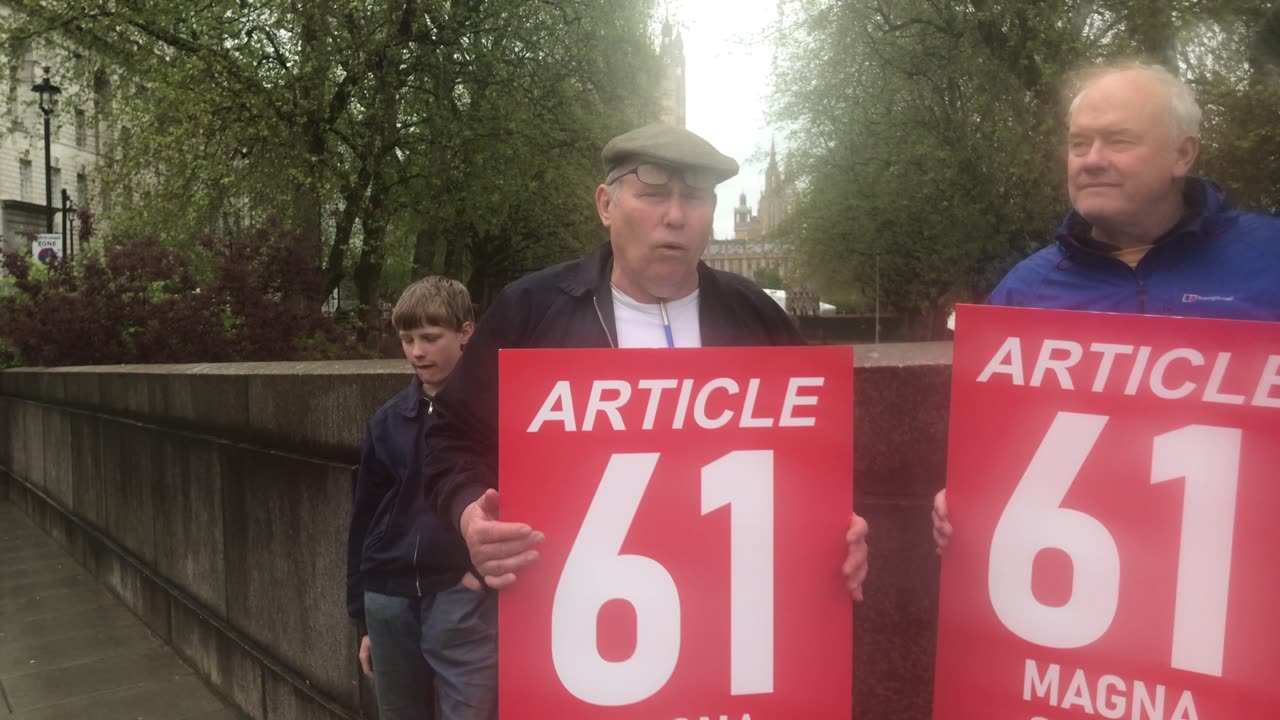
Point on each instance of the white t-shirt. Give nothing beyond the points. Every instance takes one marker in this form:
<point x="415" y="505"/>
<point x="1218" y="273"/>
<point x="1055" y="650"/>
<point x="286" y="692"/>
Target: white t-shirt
<point x="640" y="324"/>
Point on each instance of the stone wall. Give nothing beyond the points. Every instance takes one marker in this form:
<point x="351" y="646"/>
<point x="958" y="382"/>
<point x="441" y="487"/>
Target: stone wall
<point x="214" y="499"/>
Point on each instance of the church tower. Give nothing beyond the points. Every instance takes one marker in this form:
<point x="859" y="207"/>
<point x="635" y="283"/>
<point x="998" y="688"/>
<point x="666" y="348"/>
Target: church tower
<point x="671" y="90"/>
<point x="743" y="222"/>
<point x="773" y="201"/>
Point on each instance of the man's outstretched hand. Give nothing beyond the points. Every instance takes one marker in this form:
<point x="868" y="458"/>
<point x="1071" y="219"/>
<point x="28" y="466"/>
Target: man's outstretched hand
<point x="498" y="549"/>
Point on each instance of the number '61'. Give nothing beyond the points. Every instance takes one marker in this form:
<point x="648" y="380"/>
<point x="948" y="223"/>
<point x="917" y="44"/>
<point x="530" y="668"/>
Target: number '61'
<point x="1034" y="520"/>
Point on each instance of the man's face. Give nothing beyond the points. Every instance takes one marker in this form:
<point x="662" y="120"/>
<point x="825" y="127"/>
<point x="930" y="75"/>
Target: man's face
<point x="433" y="351"/>
<point x="1123" y="161"/>
<point x="658" y="233"/>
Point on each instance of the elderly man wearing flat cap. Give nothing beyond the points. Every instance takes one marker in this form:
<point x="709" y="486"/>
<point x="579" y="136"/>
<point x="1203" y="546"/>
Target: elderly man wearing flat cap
<point x="657" y="201"/>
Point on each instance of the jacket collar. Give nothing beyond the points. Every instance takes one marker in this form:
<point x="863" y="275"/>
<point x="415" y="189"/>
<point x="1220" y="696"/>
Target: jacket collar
<point x="1202" y="200"/>
<point x="594" y="273"/>
<point x="410" y="401"/>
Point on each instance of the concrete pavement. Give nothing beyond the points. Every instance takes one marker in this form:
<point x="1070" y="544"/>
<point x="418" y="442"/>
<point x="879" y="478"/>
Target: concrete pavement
<point x="69" y="650"/>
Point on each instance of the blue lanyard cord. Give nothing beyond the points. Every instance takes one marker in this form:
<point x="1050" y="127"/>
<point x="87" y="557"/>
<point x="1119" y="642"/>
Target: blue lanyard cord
<point x="666" y="324"/>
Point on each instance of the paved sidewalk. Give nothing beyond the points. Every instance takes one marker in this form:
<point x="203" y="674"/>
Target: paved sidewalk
<point x="69" y="650"/>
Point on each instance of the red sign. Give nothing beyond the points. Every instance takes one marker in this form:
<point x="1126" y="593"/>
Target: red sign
<point x="695" y="504"/>
<point x="1113" y="484"/>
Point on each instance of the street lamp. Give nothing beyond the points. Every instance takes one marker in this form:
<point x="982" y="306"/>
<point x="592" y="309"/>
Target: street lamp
<point x="68" y="224"/>
<point x="48" y="93"/>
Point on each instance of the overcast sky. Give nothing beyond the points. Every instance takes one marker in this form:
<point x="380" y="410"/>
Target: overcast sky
<point x="728" y="59"/>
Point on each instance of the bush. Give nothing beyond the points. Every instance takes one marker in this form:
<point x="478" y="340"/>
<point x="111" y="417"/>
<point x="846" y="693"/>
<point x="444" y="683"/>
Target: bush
<point x="140" y="302"/>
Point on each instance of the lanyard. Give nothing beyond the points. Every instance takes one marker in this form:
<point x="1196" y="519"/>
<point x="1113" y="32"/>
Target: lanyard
<point x="666" y="324"/>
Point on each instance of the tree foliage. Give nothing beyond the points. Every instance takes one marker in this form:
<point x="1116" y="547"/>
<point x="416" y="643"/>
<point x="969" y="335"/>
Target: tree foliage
<point x="460" y="134"/>
<point x="768" y="277"/>
<point x="930" y="134"/>
<point x="142" y="302"/>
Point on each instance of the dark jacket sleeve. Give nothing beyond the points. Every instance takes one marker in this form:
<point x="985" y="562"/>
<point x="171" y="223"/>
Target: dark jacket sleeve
<point x="373" y="482"/>
<point x="460" y="454"/>
<point x="778" y="326"/>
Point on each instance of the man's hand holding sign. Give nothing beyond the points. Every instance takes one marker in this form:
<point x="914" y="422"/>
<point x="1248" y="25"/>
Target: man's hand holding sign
<point x="498" y="549"/>
<point x="1112" y="481"/>
<point x="689" y="515"/>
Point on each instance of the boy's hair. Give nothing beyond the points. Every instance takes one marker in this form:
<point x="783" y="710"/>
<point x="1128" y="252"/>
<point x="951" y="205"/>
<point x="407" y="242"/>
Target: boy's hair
<point x="433" y="300"/>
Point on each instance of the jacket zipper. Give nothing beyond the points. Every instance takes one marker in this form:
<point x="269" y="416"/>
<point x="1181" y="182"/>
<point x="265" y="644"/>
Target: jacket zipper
<point x="1142" y="288"/>
<point x="603" y="326"/>
<point x="417" y="543"/>
<point x="1137" y="278"/>
<point x="417" y="576"/>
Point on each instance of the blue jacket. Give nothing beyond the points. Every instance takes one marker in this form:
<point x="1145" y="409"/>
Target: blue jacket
<point x="394" y="546"/>
<point x="1216" y="263"/>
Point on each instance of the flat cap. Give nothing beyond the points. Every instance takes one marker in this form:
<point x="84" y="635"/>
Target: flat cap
<point x="670" y="146"/>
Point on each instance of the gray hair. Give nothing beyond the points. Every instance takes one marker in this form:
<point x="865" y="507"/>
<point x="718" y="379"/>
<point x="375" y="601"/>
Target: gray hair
<point x="612" y="178"/>
<point x="1183" y="110"/>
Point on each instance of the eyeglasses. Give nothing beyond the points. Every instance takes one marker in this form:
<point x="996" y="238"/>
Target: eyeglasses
<point x="648" y="174"/>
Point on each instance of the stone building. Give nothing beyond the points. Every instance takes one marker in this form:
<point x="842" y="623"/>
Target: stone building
<point x="745" y="257"/>
<point x="78" y="134"/>
<point x="754" y="245"/>
<point x="774" y="205"/>
<point x="671" y="87"/>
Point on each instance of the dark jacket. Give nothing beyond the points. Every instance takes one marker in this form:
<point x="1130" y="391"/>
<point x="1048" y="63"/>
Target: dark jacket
<point x="1215" y="263"/>
<point x="566" y="306"/>
<point x="395" y="547"/>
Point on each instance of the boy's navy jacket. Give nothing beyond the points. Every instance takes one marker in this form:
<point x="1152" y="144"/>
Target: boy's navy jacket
<point x="1216" y="263"/>
<point x="395" y="547"/>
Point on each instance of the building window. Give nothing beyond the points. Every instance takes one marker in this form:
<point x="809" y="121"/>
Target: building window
<point x="56" y="174"/>
<point x="82" y="190"/>
<point x="82" y="129"/>
<point x="21" y="62"/>
<point x="24" y="180"/>
<point x="102" y="111"/>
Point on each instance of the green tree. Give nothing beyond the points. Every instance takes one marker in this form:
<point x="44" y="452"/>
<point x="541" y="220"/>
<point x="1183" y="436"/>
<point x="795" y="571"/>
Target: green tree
<point x="459" y="132"/>
<point x="928" y="136"/>
<point x="768" y="277"/>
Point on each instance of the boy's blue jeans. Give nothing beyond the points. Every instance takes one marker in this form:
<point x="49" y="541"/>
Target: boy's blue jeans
<point x="453" y="635"/>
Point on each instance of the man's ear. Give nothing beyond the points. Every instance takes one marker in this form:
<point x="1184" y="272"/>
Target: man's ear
<point x="604" y="204"/>
<point x="1185" y="155"/>
<point x="468" y="328"/>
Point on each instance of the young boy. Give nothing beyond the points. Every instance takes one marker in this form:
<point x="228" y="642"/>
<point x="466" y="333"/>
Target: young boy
<point x="418" y="609"/>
